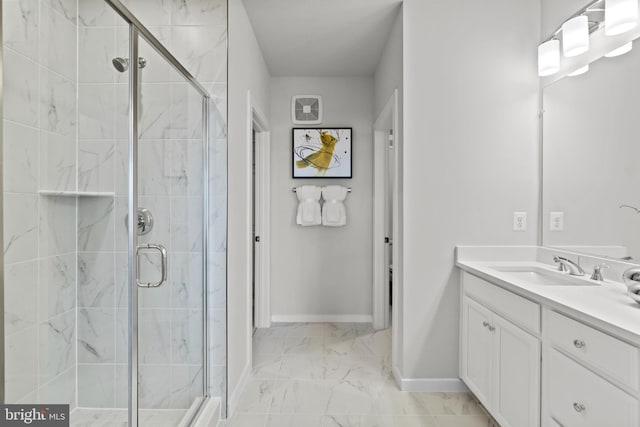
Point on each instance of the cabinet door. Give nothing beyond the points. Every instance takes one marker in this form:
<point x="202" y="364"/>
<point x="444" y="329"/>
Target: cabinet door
<point x="477" y="350"/>
<point x="517" y="376"/>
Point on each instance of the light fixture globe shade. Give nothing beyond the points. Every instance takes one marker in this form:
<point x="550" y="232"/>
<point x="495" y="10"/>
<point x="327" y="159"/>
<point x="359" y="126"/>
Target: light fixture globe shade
<point x="575" y="36"/>
<point x="620" y="50"/>
<point x="620" y="16"/>
<point x="548" y="58"/>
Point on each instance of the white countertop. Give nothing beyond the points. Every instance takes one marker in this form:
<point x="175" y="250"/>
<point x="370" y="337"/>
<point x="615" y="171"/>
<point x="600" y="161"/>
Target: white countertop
<point x="606" y="307"/>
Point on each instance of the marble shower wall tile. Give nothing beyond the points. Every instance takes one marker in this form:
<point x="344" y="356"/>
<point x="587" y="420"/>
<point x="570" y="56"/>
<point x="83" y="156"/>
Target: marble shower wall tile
<point x="67" y="8"/>
<point x="20" y="293"/>
<point x="57" y="346"/>
<point x="96" y="386"/>
<point x="95" y="224"/>
<point x="186" y="336"/>
<point x="20" y="26"/>
<point x="186" y="385"/>
<point x="57" y="103"/>
<point x="186" y="120"/>
<point x="95" y="13"/>
<point x="58" y="163"/>
<point x="61" y="390"/>
<point x="206" y="61"/>
<point x="57" y="225"/>
<point x="155" y="111"/>
<point x="154" y="388"/>
<point x="186" y="280"/>
<point x="96" y="166"/>
<point x="96" y="279"/>
<point x="96" y="50"/>
<point x="186" y="167"/>
<point x="21" y="364"/>
<point x="96" y="335"/>
<point x="96" y="107"/>
<point x="151" y="13"/>
<point x="186" y="224"/>
<point x="20" y="227"/>
<point x="20" y="89"/>
<point x="57" y="285"/>
<point x="198" y="12"/>
<point x="20" y="158"/>
<point x="57" y="36"/>
<point x="154" y="345"/>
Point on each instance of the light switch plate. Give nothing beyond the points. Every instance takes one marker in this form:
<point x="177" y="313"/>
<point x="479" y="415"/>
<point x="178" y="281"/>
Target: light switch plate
<point x="519" y="221"/>
<point x="556" y="221"/>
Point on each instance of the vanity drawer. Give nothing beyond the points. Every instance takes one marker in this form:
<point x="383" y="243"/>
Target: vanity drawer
<point x="518" y="310"/>
<point x="576" y="397"/>
<point x="614" y="358"/>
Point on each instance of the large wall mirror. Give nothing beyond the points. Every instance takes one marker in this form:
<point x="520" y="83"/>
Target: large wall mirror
<point x="591" y="159"/>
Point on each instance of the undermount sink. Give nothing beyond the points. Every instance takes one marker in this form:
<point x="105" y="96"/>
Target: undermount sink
<point x="541" y="276"/>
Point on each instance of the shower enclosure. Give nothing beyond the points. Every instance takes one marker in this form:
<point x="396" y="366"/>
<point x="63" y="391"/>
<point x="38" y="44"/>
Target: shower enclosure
<point x="114" y="182"/>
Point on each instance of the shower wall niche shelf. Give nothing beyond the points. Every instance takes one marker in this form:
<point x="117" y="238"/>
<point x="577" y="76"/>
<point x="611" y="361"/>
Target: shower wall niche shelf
<point x="75" y="193"/>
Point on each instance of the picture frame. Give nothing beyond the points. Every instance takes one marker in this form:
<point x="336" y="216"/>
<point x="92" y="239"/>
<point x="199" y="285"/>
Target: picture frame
<point x="322" y="152"/>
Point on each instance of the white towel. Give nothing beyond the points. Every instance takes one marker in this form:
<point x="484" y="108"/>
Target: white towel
<point x="334" y="213"/>
<point x="309" y="205"/>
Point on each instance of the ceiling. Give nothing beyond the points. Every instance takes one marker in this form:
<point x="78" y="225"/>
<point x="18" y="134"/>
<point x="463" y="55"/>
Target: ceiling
<point x="322" y="37"/>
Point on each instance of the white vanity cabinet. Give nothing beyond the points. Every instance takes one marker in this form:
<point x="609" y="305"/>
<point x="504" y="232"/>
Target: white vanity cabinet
<point x="589" y="377"/>
<point x="532" y="363"/>
<point x="500" y="359"/>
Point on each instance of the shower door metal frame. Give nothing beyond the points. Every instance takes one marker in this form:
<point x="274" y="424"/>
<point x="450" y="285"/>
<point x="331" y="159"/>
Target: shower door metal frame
<point x="137" y="30"/>
<point x="2" y="348"/>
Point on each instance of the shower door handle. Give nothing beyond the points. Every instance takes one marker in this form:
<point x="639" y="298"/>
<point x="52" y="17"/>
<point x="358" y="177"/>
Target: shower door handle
<point x="163" y="264"/>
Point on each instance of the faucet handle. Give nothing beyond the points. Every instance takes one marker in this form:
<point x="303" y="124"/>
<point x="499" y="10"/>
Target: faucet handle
<point x="561" y="265"/>
<point x="597" y="271"/>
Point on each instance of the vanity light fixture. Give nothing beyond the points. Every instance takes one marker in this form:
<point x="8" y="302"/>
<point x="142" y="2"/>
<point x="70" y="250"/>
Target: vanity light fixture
<point x="575" y="36"/>
<point x="579" y="71"/>
<point x="620" y="50"/>
<point x="620" y="16"/>
<point x="549" y="58"/>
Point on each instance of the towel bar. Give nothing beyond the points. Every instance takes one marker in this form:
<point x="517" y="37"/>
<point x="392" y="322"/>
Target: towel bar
<point x="296" y="189"/>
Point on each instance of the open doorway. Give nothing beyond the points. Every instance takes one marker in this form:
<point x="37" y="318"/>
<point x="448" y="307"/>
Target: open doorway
<point x="260" y="208"/>
<point x="385" y="211"/>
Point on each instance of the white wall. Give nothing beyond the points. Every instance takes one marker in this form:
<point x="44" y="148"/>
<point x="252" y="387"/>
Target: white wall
<point x="470" y="156"/>
<point x="248" y="71"/>
<point x="387" y="78"/>
<point x="322" y="271"/>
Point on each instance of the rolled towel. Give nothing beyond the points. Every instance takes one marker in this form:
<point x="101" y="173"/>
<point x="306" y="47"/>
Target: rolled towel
<point x="334" y="213"/>
<point x="309" y="211"/>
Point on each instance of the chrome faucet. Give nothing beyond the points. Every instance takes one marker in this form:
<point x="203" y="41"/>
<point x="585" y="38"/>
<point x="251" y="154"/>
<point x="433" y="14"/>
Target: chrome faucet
<point x="569" y="266"/>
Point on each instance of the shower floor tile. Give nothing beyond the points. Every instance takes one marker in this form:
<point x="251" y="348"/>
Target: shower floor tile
<point x="83" y="417"/>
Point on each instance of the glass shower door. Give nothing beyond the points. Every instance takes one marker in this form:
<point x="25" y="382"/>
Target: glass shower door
<point x="170" y="243"/>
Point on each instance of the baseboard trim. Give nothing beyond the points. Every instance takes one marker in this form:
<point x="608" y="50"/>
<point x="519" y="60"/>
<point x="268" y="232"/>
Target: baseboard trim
<point x="428" y="384"/>
<point x="235" y="395"/>
<point x="315" y="318"/>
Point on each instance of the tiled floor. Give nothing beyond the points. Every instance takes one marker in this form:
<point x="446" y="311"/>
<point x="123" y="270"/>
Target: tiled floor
<point x="326" y="375"/>
<point x="83" y="417"/>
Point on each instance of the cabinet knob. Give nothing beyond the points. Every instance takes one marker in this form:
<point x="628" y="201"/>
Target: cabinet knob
<point x="485" y="324"/>
<point x="492" y="328"/>
<point x="579" y="407"/>
<point x="578" y="343"/>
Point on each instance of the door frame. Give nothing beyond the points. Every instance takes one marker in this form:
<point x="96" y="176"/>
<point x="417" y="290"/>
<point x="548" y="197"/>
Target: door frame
<point x="261" y="265"/>
<point x="387" y="122"/>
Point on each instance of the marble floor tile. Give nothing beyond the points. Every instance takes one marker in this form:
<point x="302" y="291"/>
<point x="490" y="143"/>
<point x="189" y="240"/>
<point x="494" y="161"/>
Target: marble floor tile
<point x="294" y="420"/>
<point x="298" y="397"/>
<point x="339" y="375"/>
<point x="303" y="346"/>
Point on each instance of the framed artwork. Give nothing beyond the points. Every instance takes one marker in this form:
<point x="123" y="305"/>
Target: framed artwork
<point x="322" y="152"/>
